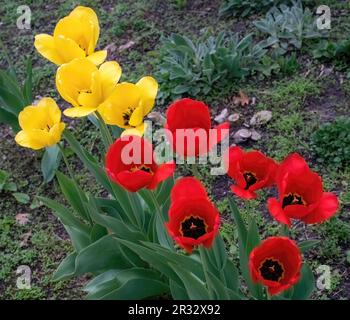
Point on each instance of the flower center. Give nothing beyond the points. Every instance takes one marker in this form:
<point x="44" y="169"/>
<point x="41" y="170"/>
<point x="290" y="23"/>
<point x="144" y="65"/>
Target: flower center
<point x="143" y="168"/>
<point x="127" y="115"/>
<point x="250" y="179"/>
<point x="271" y="269"/>
<point x="193" y="227"/>
<point x="292" y="198"/>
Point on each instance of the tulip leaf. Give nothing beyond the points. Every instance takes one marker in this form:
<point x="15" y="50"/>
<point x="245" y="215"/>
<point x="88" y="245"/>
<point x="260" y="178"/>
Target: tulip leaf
<point x="246" y="240"/>
<point x="3" y="178"/>
<point x="13" y="102"/>
<point x="97" y="232"/>
<point x="99" y="256"/>
<point x="10" y="119"/>
<point x="178" y="292"/>
<point x="116" y="225"/>
<point x="308" y="244"/>
<point x="28" y="84"/>
<point x="80" y="239"/>
<point x="195" y="288"/>
<point x="66" y="268"/>
<point x="306" y="285"/>
<point x="50" y="162"/>
<point x="74" y="195"/>
<point x="134" y="283"/>
<point x="65" y="215"/>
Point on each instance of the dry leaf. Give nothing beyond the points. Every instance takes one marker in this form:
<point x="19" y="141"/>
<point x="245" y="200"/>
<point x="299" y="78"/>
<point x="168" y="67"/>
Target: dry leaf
<point x="233" y="117"/>
<point x="126" y="46"/>
<point x="242" y="99"/>
<point x="222" y="116"/>
<point x="25" y="238"/>
<point x="242" y="135"/>
<point x="261" y="117"/>
<point x="22" y="218"/>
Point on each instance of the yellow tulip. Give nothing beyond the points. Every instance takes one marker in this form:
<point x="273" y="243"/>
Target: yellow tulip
<point x="85" y="86"/>
<point x="41" y="125"/>
<point x="75" y="36"/>
<point x="128" y="104"/>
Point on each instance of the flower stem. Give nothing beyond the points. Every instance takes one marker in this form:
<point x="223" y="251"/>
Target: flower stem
<point x="284" y="231"/>
<point x="205" y="269"/>
<point x="195" y="171"/>
<point x="106" y="134"/>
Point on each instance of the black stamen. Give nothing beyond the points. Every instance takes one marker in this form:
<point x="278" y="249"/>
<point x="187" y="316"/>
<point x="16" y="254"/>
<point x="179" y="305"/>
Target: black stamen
<point x="271" y="270"/>
<point x="127" y="115"/>
<point x="250" y="179"/>
<point x="193" y="227"/>
<point x="292" y="198"/>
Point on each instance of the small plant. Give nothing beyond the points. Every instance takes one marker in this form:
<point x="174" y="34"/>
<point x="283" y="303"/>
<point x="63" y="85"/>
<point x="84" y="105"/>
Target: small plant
<point x="196" y="67"/>
<point x="180" y="4"/>
<point x="288" y="27"/>
<point x="14" y="95"/>
<point x="288" y="65"/>
<point x="331" y="143"/>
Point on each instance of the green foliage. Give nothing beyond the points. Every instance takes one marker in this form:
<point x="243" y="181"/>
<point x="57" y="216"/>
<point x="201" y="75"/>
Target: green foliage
<point x="196" y="67"/>
<point x="14" y="95"/>
<point x="288" y="65"/>
<point x="288" y="27"/>
<point x="331" y="143"/>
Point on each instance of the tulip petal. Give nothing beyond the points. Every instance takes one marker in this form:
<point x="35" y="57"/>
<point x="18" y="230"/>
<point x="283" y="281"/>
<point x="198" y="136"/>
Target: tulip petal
<point x="34" y="139"/>
<point x="77" y="112"/>
<point x="163" y="172"/>
<point x="326" y="209"/>
<point x="110" y="73"/>
<point x="149" y="89"/>
<point x="68" y="49"/>
<point x="187" y="186"/>
<point x="277" y="212"/>
<point x="134" y="181"/>
<point x="45" y="44"/>
<point x="137" y="117"/>
<point x="98" y="57"/>
<point x="245" y="194"/>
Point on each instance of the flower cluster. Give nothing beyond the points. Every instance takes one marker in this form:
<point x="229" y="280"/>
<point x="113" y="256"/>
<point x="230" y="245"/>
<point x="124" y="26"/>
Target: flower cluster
<point x="91" y="86"/>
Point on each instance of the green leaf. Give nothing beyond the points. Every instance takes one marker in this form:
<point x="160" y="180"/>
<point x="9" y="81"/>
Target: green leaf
<point x="135" y="284"/>
<point x="117" y="226"/>
<point x="100" y="256"/>
<point x="28" y="84"/>
<point x="10" y="119"/>
<point x="66" y="216"/>
<point x="80" y="239"/>
<point x="13" y="103"/>
<point x="74" y="195"/>
<point x="306" y="285"/>
<point x="66" y="268"/>
<point x="308" y="244"/>
<point x="21" y="197"/>
<point x="97" y="232"/>
<point x="3" y="178"/>
<point x="195" y="288"/>
<point x="177" y="292"/>
<point x="10" y="186"/>
<point x="50" y="162"/>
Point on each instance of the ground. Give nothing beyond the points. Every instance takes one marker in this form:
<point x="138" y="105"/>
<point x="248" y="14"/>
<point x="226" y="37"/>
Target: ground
<point x="300" y="103"/>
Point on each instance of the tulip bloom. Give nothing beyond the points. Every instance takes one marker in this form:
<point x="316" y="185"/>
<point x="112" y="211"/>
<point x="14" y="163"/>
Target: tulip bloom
<point x="193" y="219"/>
<point x="85" y="86"/>
<point x="275" y="263"/>
<point x="41" y="125"/>
<point x="130" y="163"/>
<point x="250" y="170"/>
<point x="75" y="36"/>
<point x="191" y="118"/>
<point x="301" y="194"/>
<point x="129" y="103"/>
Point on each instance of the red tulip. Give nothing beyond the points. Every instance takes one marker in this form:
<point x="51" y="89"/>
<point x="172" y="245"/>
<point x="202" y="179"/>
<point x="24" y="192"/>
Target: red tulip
<point x="250" y="170"/>
<point x="189" y="125"/>
<point x="136" y="169"/>
<point x="275" y="263"/>
<point x="193" y="219"/>
<point x="301" y="194"/>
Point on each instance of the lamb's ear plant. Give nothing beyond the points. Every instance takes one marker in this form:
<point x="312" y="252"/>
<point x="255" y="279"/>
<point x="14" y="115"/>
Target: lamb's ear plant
<point x="197" y="67"/>
<point x="149" y="233"/>
<point x="288" y="27"/>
